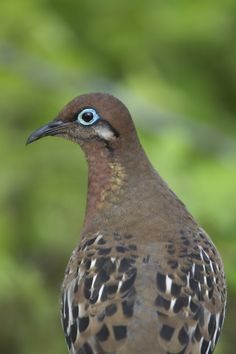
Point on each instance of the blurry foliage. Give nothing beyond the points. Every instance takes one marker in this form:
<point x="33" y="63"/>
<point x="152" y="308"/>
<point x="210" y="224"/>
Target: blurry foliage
<point x="178" y="59"/>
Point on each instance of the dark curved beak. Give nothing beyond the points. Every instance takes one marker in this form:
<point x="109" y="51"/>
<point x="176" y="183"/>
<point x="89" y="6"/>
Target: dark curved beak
<point x="52" y="128"/>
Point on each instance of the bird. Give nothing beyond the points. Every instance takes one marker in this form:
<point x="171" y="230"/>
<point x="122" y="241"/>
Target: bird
<point x="144" y="277"/>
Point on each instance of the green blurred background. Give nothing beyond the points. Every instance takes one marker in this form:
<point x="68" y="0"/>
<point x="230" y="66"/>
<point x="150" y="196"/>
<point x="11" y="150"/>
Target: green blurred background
<point x="174" y="64"/>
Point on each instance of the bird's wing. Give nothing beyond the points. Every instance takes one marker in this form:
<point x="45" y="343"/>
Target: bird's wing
<point x="185" y="289"/>
<point x="190" y="296"/>
<point x="98" y="294"/>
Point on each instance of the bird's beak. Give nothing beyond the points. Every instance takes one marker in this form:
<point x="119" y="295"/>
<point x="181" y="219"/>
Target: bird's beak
<point x="52" y="128"/>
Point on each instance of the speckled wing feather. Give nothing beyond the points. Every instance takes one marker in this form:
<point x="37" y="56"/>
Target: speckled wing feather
<point x="186" y="295"/>
<point x="98" y="294"/>
<point x="190" y="296"/>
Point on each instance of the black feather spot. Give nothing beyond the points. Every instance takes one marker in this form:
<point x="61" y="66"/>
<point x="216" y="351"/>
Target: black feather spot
<point x="215" y="268"/>
<point x="194" y="307"/>
<point x="103" y="334"/>
<point x="201" y="235"/>
<point x="94" y="298"/>
<point x="175" y="289"/>
<point x="132" y="247"/>
<point x="109" y="266"/>
<point x="120" y="332"/>
<point x="199" y="315"/>
<point x="111" y="310"/>
<point x="83" y="323"/>
<point x="101" y="316"/>
<point x="197" y="256"/>
<point x="73" y="332"/>
<point x="87" y="293"/>
<point x="68" y="341"/>
<point x="87" y="263"/>
<point x="209" y="282"/>
<point x="101" y="241"/>
<point x="204" y="347"/>
<point x="101" y="278"/>
<point x="100" y="262"/>
<point x="197" y="334"/>
<point x="104" y="251"/>
<point x="210" y="294"/>
<point x="208" y="269"/>
<point x="166" y="332"/>
<point x="111" y="289"/>
<point x="124" y="265"/>
<point x="162" y="302"/>
<point x="83" y="246"/>
<point x="88" y="282"/>
<point x="128" y="308"/>
<point x="205" y="258"/>
<point x="75" y="311"/>
<point x="121" y="249"/>
<point x="87" y="349"/>
<point x="161" y="282"/>
<point x="91" y="241"/>
<point x="198" y="274"/>
<point x="212" y="325"/>
<point x="181" y="302"/>
<point x="66" y="307"/>
<point x="183" y="336"/>
<point x="193" y="284"/>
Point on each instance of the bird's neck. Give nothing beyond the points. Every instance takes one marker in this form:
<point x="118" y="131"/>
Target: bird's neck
<point x="111" y="176"/>
<point x="122" y="185"/>
<point x="105" y="181"/>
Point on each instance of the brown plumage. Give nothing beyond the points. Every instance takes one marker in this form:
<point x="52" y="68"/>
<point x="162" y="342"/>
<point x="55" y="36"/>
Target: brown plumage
<point x="145" y="278"/>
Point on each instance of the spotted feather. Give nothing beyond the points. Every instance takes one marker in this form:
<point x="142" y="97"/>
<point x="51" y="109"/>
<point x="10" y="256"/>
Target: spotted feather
<point x="100" y="306"/>
<point x="190" y="294"/>
<point x="98" y="295"/>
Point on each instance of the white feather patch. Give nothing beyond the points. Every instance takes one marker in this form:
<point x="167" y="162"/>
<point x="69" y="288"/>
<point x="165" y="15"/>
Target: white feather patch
<point x="104" y="133"/>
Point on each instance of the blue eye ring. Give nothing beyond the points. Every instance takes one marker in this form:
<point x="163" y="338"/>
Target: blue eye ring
<point x="87" y="116"/>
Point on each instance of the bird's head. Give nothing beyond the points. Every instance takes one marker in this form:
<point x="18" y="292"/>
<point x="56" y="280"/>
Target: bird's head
<point x="95" y="117"/>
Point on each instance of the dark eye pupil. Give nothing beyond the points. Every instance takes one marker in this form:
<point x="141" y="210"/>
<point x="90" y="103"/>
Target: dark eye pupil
<point x="87" y="116"/>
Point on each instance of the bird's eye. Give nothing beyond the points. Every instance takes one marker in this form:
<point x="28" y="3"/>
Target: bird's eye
<point x="87" y="117"/>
